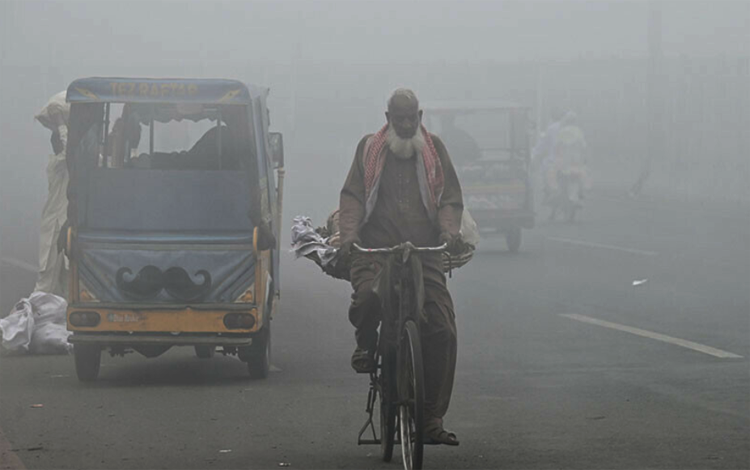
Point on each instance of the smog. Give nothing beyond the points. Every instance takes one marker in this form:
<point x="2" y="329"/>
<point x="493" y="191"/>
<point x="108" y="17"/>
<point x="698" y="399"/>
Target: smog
<point x="611" y="335"/>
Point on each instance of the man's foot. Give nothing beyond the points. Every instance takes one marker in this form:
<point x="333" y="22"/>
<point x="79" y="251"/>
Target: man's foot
<point x="436" y="435"/>
<point x="363" y="361"/>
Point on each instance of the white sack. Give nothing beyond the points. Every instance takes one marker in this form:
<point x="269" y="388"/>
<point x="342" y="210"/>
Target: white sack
<point x="37" y="325"/>
<point x="55" y="113"/>
<point x="50" y="330"/>
<point x="469" y="230"/>
<point x="18" y="327"/>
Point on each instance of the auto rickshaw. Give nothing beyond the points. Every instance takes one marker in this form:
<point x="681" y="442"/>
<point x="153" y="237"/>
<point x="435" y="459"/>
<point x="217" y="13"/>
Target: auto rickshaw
<point x="172" y="238"/>
<point x="489" y="145"/>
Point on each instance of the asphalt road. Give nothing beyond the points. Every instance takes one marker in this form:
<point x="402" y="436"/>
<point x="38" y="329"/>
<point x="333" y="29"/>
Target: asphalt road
<point x="590" y="349"/>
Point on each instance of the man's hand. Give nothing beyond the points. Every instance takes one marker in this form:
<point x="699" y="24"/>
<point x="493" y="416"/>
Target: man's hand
<point x="335" y="240"/>
<point x="62" y="239"/>
<point x="345" y="253"/>
<point x="453" y="242"/>
<point x="346" y="247"/>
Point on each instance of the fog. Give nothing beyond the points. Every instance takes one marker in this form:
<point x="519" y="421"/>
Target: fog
<point x="331" y="66"/>
<point x="616" y="340"/>
<point x="196" y="34"/>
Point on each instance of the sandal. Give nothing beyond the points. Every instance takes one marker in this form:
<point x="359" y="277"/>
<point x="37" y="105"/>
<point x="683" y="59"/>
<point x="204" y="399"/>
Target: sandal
<point x="437" y="435"/>
<point x="363" y="361"/>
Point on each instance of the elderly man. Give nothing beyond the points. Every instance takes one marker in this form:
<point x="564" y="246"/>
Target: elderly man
<point x="402" y="187"/>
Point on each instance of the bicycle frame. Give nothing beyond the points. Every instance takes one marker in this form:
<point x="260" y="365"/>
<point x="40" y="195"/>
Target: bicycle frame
<point x="393" y="327"/>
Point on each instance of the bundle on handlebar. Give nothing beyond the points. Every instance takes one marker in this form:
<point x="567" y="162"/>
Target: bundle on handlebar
<point x="322" y="244"/>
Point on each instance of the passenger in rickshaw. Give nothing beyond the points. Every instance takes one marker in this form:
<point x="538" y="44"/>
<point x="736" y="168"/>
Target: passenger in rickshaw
<point x="402" y="187"/>
<point x="204" y="154"/>
<point x="122" y="130"/>
<point x="218" y="148"/>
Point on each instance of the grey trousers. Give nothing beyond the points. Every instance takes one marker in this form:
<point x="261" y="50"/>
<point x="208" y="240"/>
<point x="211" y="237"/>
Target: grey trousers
<point x="438" y="331"/>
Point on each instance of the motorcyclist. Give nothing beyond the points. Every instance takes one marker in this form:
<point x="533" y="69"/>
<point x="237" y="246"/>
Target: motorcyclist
<point x="571" y="150"/>
<point x="543" y="153"/>
<point x="566" y="173"/>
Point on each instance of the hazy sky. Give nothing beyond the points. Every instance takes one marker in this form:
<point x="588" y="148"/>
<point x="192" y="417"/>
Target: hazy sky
<point x="61" y="32"/>
<point x="46" y="44"/>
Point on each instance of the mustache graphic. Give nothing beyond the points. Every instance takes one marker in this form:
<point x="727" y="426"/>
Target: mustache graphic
<point x="179" y="285"/>
<point x="150" y="281"/>
<point x="145" y="285"/>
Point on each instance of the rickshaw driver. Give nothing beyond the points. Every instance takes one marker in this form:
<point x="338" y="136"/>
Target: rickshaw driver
<point x="459" y="140"/>
<point x="402" y="187"/>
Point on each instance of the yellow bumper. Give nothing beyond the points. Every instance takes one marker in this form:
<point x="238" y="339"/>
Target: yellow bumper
<point x="154" y="320"/>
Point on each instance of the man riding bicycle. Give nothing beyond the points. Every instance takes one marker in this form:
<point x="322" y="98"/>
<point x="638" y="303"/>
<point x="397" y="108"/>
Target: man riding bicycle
<point x="402" y="187"/>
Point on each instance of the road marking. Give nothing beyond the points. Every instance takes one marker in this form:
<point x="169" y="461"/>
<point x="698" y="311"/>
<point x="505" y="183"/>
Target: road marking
<point x="20" y="264"/>
<point x="9" y="460"/>
<point x="606" y="247"/>
<point x="657" y="336"/>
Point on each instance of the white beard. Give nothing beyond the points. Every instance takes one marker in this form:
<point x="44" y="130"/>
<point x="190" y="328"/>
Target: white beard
<point x="404" y="148"/>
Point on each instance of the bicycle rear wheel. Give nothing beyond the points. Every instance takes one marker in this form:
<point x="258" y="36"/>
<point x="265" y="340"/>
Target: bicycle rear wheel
<point x="387" y="396"/>
<point x="411" y="397"/>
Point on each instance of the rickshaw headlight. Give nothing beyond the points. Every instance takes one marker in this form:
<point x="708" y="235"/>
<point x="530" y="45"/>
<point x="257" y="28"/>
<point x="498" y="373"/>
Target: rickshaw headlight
<point x="84" y="319"/>
<point x="239" y="320"/>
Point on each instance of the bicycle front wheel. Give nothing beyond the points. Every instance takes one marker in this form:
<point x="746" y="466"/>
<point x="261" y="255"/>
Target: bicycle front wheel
<point x="387" y="395"/>
<point x="411" y="397"/>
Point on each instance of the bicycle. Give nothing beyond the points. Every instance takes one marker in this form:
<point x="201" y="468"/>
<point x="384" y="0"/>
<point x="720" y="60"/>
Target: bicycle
<point x="397" y="383"/>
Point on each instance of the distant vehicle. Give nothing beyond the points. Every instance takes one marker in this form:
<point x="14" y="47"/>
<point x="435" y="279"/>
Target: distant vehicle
<point x="489" y="145"/>
<point x="566" y="177"/>
<point x="172" y="248"/>
<point x="567" y="199"/>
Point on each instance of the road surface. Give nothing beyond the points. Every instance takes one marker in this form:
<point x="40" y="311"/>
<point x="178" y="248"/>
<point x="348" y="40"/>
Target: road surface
<point x="620" y="341"/>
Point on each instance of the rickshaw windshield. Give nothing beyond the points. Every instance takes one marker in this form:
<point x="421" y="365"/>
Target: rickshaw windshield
<point x="164" y="167"/>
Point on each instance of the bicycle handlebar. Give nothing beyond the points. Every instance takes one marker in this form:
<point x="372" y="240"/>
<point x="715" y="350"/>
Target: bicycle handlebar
<point x="397" y="248"/>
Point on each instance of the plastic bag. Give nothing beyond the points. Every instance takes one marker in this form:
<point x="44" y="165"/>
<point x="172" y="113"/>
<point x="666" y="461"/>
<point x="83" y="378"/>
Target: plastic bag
<point x="50" y="334"/>
<point x="469" y="230"/>
<point x="18" y="327"/>
<point x="37" y="325"/>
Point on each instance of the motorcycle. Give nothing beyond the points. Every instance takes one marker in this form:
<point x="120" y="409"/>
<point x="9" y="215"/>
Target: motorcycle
<point x="567" y="195"/>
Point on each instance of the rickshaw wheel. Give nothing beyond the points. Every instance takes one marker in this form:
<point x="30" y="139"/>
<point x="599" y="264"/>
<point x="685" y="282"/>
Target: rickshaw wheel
<point x="513" y="239"/>
<point x="88" y="359"/>
<point x="205" y="351"/>
<point x="259" y="357"/>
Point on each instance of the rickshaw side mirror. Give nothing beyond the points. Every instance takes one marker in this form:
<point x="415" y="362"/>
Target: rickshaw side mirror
<point x="276" y="144"/>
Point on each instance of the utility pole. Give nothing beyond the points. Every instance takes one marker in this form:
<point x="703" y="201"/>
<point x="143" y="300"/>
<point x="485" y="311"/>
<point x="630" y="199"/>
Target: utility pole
<point x="654" y="95"/>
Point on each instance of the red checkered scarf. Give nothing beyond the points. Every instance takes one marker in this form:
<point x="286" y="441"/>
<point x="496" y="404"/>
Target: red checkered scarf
<point x="375" y="160"/>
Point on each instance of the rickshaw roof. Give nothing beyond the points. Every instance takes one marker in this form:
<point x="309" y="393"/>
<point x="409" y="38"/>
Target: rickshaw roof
<point x="466" y="107"/>
<point x="160" y="90"/>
